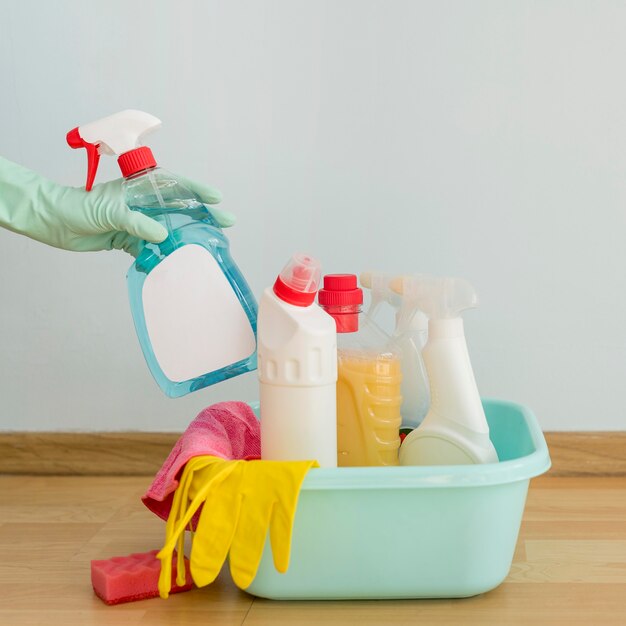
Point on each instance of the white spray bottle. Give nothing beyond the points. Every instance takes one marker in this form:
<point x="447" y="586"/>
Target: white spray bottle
<point x="455" y="430"/>
<point x="409" y="336"/>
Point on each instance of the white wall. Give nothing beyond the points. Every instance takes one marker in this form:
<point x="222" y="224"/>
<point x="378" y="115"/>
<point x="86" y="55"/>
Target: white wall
<point x="481" y="139"/>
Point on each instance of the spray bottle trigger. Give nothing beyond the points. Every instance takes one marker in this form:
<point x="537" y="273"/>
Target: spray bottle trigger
<point x="74" y="140"/>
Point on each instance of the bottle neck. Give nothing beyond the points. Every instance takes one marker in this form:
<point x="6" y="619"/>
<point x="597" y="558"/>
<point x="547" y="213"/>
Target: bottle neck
<point x="449" y="328"/>
<point x="140" y="173"/>
<point x="346" y="317"/>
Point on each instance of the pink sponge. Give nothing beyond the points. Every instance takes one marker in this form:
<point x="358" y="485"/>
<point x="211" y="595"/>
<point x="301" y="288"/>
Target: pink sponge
<point x="133" y="577"/>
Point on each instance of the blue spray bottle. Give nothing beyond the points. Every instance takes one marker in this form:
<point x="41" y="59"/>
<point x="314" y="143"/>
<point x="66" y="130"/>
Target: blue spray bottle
<point x="194" y="313"/>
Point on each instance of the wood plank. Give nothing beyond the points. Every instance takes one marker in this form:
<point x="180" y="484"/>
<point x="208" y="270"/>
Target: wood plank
<point x="121" y="617"/>
<point x="141" y="454"/>
<point x="84" y="454"/>
<point x="587" y="453"/>
<point x="552" y="604"/>
<point x="577" y="560"/>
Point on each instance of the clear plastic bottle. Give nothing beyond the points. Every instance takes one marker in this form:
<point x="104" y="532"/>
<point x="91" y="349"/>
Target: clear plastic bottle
<point x="171" y="286"/>
<point x="369" y="379"/>
<point x="408" y="337"/>
<point x="194" y="313"/>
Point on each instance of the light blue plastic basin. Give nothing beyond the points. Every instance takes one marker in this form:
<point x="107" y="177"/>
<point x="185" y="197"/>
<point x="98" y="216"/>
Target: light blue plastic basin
<point x="412" y="532"/>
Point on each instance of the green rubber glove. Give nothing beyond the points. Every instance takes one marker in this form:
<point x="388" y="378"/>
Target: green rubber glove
<point x="74" y="219"/>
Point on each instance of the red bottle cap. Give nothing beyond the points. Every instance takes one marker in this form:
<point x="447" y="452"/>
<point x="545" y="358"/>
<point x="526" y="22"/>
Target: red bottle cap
<point x="340" y="290"/>
<point x="342" y="298"/>
<point x="136" y="160"/>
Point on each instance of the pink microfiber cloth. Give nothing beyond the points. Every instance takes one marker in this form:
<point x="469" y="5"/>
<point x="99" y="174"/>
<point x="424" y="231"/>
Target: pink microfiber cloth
<point x="229" y="430"/>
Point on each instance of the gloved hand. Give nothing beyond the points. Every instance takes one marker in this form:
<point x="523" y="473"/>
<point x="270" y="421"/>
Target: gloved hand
<point x="242" y="499"/>
<point x="74" y="219"/>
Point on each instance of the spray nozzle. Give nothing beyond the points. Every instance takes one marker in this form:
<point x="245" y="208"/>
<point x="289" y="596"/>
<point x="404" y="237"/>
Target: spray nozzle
<point x="409" y="316"/>
<point x="379" y="285"/>
<point x="121" y="134"/>
<point x="438" y="298"/>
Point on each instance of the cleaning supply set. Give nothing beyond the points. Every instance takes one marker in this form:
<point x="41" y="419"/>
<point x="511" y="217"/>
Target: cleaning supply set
<point x="321" y="454"/>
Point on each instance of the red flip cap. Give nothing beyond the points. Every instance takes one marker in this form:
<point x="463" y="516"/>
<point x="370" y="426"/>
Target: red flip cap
<point x="298" y="281"/>
<point x="293" y="296"/>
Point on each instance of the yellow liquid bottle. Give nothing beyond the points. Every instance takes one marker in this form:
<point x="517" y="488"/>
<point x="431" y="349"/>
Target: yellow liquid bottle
<point x="368" y="383"/>
<point x="368" y="409"/>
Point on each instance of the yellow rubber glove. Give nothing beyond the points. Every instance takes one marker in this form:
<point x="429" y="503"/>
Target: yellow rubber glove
<point x="242" y="499"/>
<point x="204" y="472"/>
<point x="237" y="514"/>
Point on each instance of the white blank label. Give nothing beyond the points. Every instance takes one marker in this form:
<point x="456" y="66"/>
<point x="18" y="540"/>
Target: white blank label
<point x="194" y="319"/>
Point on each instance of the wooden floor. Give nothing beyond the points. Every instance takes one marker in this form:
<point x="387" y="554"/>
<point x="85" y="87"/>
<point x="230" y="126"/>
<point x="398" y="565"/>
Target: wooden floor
<point x="569" y="567"/>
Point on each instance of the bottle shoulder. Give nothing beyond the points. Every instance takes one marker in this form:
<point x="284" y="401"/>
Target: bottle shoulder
<point x="158" y="188"/>
<point x="369" y="340"/>
<point x="312" y="317"/>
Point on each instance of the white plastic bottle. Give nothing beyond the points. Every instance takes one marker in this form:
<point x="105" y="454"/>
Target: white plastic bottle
<point x="297" y="364"/>
<point x="455" y="430"/>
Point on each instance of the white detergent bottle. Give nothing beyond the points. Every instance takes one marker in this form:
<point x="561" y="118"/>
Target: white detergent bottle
<point x="297" y="365"/>
<point x="455" y="430"/>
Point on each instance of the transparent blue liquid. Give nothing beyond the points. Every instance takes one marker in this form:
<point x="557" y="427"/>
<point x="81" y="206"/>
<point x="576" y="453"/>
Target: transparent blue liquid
<point x="188" y="222"/>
